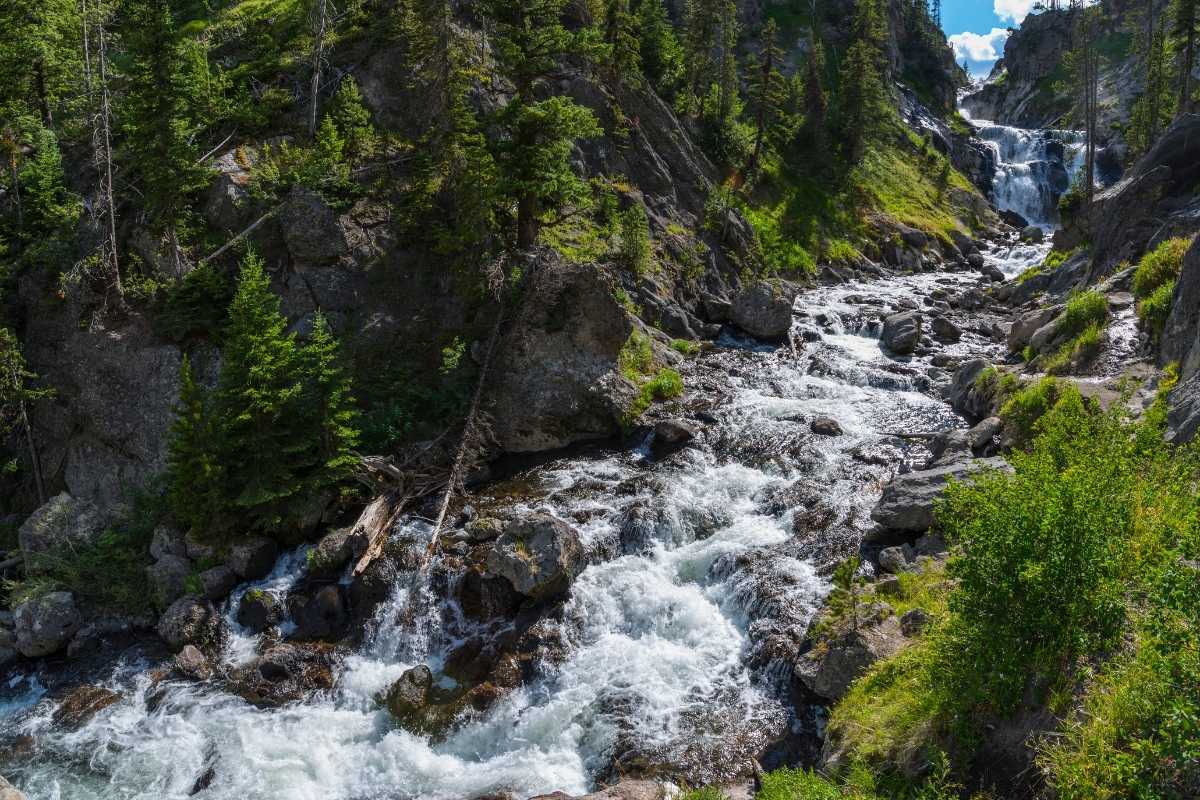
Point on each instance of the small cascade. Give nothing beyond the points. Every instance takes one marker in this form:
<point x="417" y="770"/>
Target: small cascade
<point x="1034" y="168"/>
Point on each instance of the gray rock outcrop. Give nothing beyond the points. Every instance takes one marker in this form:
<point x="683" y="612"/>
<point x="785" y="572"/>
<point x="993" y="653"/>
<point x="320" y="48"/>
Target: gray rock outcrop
<point x="763" y="309"/>
<point x="539" y="555"/>
<point x="190" y="620"/>
<point x="63" y="522"/>
<point x="902" y="332"/>
<point x="45" y="624"/>
<point x="907" y="503"/>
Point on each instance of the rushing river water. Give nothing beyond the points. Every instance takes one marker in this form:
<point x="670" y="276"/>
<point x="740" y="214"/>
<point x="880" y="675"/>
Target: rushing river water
<point x="673" y="653"/>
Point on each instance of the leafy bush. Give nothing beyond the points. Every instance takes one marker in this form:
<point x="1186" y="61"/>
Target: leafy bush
<point x="1083" y="310"/>
<point x="636" y="357"/>
<point x="665" y="385"/>
<point x="1026" y="406"/>
<point x="195" y="305"/>
<point x="1078" y="351"/>
<point x="1160" y="266"/>
<point x="635" y="252"/>
<point x="1153" y="311"/>
<point x="685" y="347"/>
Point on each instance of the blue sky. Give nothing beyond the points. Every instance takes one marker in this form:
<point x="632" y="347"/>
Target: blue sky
<point x="978" y="28"/>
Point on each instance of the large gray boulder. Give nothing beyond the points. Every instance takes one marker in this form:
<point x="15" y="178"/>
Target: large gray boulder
<point x="763" y="309"/>
<point x="1026" y="325"/>
<point x="907" y="502"/>
<point x="253" y="557"/>
<point x="1183" y="419"/>
<point x="538" y="555"/>
<point x="829" y="670"/>
<point x="45" y="624"/>
<point x="902" y="332"/>
<point x="334" y="551"/>
<point x="1180" y="340"/>
<point x="167" y="578"/>
<point x="965" y="396"/>
<point x="310" y="228"/>
<point x="62" y="522"/>
<point x="190" y="620"/>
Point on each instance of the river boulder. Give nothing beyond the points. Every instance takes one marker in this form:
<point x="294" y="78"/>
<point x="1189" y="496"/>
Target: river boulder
<point x="83" y="703"/>
<point x="907" y="502"/>
<point x="63" y="521"/>
<point x="763" y="309"/>
<point x="253" y="557"/>
<point x="45" y="624"/>
<point x="259" y="610"/>
<point x="167" y="579"/>
<point x="539" y="555"/>
<point x="321" y="615"/>
<point x="902" y="332"/>
<point x="830" y="669"/>
<point x="190" y="620"/>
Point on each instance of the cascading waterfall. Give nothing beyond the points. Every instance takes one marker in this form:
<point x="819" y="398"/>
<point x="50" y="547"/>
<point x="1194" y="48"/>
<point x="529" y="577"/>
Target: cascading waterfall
<point x="1034" y="168"/>
<point x="668" y="647"/>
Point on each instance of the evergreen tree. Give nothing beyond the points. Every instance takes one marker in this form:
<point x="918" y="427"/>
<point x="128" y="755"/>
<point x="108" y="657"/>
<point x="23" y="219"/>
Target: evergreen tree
<point x="768" y="91"/>
<point x="1151" y="112"/>
<point x="816" y="104"/>
<point x="533" y="153"/>
<point x="40" y="60"/>
<point x="624" y="56"/>
<point x="727" y="76"/>
<point x="16" y="394"/>
<point x="863" y="104"/>
<point x="661" y="54"/>
<point x="261" y="442"/>
<point x="1185" y="31"/>
<point x="46" y="203"/>
<point x="330" y="407"/>
<point x="701" y="26"/>
<point x="193" y="470"/>
<point x="157" y="110"/>
<point x="635" y="249"/>
<point x="353" y="121"/>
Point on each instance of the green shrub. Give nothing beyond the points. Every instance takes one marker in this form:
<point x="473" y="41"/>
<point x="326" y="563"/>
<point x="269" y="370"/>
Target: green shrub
<point x="1027" y="405"/>
<point x="685" y="347"/>
<point x="1153" y="310"/>
<point x="195" y="305"/>
<point x="1056" y="258"/>
<point x="636" y="358"/>
<point x="1159" y="266"/>
<point x="665" y="385"/>
<point x="1080" y="350"/>
<point x="635" y="252"/>
<point x="1083" y="309"/>
<point x="1041" y="558"/>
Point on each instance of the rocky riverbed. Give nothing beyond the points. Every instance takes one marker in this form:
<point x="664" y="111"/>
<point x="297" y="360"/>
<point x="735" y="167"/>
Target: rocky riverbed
<point x="636" y="611"/>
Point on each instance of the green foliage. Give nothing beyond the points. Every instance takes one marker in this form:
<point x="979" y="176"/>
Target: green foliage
<point x="1027" y="405"/>
<point x="108" y="573"/>
<point x="1084" y="309"/>
<point x="635" y="252"/>
<point x="279" y="427"/>
<point x="1160" y="265"/>
<point x="1056" y="258"/>
<point x="352" y="121"/>
<point x="661" y="53"/>
<point x="1040" y="562"/>
<point x="46" y="201"/>
<point x="636" y="358"/>
<point x="195" y="305"/>
<point x="1076" y="352"/>
<point x="843" y="602"/>
<point x="685" y="347"/>
<point x="17" y="393"/>
<point x="322" y="166"/>
<point x="1153" y="311"/>
<point x="863" y="103"/>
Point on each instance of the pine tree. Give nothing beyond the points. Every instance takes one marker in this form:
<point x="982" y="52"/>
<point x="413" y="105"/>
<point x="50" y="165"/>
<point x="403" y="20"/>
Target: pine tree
<point x="353" y="120"/>
<point x="157" y="111"/>
<point x="661" y="54"/>
<point x="16" y="394"/>
<point x="1185" y="31"/>
<point x="624" y="56"/>
<point x="193" y="470"/>
<point x="260" y="450"/>
<point x="768" y="91"/>
<point x="863" y="98"/>
<point x="702" y="27"/>
<point x="330" y="406"/>
<point x="635" y="249"/>
<point x="816" y="104"/>
<point x="533" y="154"/>
<point x="46" y="203"/>
<point x="1152" y="109"/>
<point x="39" y="55"/>
<point x="727" y="79"/>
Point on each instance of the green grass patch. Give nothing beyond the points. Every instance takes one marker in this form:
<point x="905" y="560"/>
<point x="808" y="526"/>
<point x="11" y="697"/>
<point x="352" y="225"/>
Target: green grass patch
<point x="1077" y="352"/>
<point x="1084" y="309"/>
<point x="1028" y="404"/>
<point x="1153" y="311"/>
<point x="1159" y="266"/>
<point x="685" y="347"/>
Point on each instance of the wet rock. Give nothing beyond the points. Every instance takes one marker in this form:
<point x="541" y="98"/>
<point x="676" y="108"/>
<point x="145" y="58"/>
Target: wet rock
<point x="964" y="396"/>
<point x="167" y="541"/>
<point x="10" y="792"/>
<point x="1026" y="325"/>
<point x="259" y="610"/>
<point x="641" y="525"/>
<point x="62" y="522"/>
<point x="253" y="557"/>
<point x="622" y="790"/>
<point x="671" y="434"/>
<point x="372" y="586"/>
<point x="190" y="620"/>
<point x="982" y="437"/>
<point x="829" y="670"/>
<point x="484" y="529"/>
<point x="895" y="560"/>
<point x="825" y="426"/>
<point x="45" y="624"/>
<point x="538" y="555"/>
<point x="949" y="447"/>
<point x="167" y="579"/>
<point x="285" y="673"/>
<point x="321" y="616"/>
<point x="83" y="703"/>
<point x="763" y="309"/>
<point x="914" y="622"/>
<point x="931" y="544"/>
<point x="335" y="550"/>
<point x="907" y="502"/>
<point x="198" y="549"/>
<point x="914" y="238"/>
<point x="902" y="332"/>
<point x="218" y="582"/>
<point x="192" y="664"/>
<point x="1032" y="234"/>
<point x="411" y="703"/>
<point x="975" y="260"/>
<point x="944" y="330"/>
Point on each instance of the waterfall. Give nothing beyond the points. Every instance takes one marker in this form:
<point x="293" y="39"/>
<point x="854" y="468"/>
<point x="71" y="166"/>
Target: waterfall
<point x="1034" y="168"/>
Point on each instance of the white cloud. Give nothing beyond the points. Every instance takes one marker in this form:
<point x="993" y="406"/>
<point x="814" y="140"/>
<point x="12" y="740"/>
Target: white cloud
<point x="979" y="47"/>
<point x="1015" y="10"/>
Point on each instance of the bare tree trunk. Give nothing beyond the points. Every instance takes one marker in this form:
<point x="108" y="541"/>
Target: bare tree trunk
<point x="319" y="21"/>
<point x="102" y="143"/>
<point x="34" y="460"/>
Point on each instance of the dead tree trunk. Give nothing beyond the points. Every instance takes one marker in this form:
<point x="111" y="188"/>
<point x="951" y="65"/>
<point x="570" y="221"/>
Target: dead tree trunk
<point x="102" y="152"/>
<point x="34" y="460"/>
<point x="318" y="22"/>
